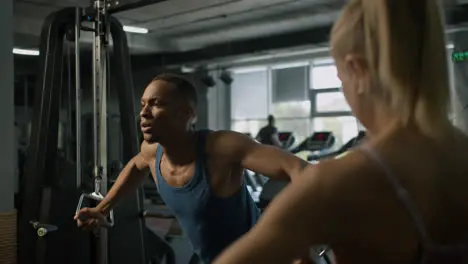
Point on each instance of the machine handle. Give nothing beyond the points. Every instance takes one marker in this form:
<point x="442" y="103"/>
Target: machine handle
<point x="43" y="229"/>
<point x="323" y="252"/>
<point x="148" y="214"/>
<point x="95" y="197"/>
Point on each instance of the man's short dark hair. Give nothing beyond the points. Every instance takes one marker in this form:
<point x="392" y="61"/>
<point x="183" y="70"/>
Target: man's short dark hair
<point x="271" y="119"/>
<point x="184" y="87"/>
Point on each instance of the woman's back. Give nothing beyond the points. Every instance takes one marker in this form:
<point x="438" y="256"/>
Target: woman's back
<point x="435" y="175"/>
<point x="402" y="196"/>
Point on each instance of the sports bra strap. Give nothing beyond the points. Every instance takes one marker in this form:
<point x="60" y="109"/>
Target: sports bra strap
<point x="401" y="193"/>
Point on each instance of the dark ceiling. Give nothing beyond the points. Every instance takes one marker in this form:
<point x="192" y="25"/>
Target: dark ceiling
<point x="184" y="31"/>
<point x="182" y="25"/>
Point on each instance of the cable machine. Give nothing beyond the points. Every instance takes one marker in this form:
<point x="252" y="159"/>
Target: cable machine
<point x="47" y="231"/>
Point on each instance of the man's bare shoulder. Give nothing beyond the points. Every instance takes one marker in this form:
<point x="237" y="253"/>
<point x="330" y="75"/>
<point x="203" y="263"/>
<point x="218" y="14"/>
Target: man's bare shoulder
<point x="145" y="157"/>
<point x="224" y="141"/>
<point x="148" y="150"/>
<point x="221" y="138"/>
<point x="225" y="134"/>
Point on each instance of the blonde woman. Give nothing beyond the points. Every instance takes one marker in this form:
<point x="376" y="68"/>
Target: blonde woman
<point x="401" y="197"/>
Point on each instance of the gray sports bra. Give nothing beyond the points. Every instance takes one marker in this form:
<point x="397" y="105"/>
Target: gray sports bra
<point x="429" y="253"/>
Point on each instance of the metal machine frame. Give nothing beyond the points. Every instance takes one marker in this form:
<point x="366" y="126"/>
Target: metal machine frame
<point x="46" y="201"/>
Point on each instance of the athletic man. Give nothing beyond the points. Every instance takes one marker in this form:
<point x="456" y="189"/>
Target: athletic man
<point x="198" y="173"/>
<point x="268" y="134"/>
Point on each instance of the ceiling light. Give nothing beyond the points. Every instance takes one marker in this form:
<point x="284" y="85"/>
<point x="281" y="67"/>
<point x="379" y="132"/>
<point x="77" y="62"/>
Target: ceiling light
<point x="138" y="30"/>
<point x="187" y="69"/>
<point x="28" y="52"/>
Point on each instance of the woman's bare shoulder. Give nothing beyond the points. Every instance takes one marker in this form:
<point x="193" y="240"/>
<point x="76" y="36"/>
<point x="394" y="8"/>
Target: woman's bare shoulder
<point x="332" y="194"/>
<point x="345" y="178"/>
<point x="347" y="167"/>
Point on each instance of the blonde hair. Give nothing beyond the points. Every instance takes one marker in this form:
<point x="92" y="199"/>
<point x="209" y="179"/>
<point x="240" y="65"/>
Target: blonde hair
<point x="403" y="43"/>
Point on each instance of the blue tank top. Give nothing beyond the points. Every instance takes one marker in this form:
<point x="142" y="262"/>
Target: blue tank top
<point x="211" y="223"/>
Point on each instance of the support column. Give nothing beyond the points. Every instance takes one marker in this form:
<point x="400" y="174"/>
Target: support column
<point x="7" y="136"/>
<point x="219" y="104"/>
<point x="199" y="80"/>
<point x="202" y="109"/>
<point x="460" y="83"/>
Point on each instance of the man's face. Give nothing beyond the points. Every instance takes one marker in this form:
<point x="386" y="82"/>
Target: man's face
<point x="162" y="113"/>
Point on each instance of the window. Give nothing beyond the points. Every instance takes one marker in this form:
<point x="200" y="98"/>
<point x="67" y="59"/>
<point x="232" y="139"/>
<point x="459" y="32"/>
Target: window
<point x="324" y="77"/>
<point x="343" y="127"/>
<point x="289" y="84"/>
<point x="331" y="102"/>
<point x="323" y="61"/>
<point x="248" y="126"/>
<point x="249" y="95"/>
<point x="291" y="109"/>
<point x="300" y="127"/>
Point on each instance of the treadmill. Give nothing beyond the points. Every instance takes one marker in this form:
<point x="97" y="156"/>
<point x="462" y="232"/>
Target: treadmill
<point x="347" y="146"/>
<point x="287" y="139"/>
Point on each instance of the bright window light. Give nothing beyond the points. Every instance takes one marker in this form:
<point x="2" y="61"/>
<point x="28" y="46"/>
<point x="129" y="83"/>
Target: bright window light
<point x="28" y="52"/>
<point x="251" y="69"/>
<point x="138" y="30"/>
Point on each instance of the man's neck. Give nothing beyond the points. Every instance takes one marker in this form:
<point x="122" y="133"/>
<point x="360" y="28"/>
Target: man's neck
<point x="180" y="150"/>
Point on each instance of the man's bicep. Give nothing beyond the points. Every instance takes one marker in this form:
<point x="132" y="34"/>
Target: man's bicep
<point x="272" y="162"/>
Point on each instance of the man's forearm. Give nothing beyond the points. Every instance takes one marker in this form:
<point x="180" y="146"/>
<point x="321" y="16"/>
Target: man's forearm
<point x="289" y="170"/>
<point x="298" y="171"/>
<point x="128" y="181"/>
